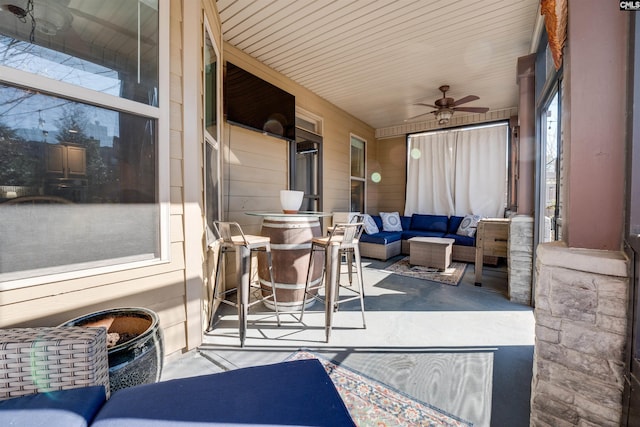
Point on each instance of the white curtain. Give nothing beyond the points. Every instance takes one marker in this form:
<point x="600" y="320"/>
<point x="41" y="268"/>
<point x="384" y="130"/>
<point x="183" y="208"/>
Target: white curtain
<point x="458" y="172"/>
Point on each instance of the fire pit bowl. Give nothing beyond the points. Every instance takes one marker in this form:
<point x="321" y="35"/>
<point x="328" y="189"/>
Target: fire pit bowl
<point x="135" y="345"/>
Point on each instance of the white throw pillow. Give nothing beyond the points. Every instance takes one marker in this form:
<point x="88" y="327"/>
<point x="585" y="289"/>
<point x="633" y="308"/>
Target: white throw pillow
<point x="468" y="226"/>
<point x="391" y="221"/>
<point x="370" y="226"/>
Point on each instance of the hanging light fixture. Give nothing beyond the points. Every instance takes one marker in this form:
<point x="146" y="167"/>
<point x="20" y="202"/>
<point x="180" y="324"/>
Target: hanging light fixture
<point x="443" y="116"/>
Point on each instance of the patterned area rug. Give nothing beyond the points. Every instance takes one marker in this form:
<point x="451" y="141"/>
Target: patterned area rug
<point x="371" y="403"/>
<point x="450" y="276"/>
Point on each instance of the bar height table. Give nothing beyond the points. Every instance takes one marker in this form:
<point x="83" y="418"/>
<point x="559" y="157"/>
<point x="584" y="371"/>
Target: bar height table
<point x="290" y="236"/>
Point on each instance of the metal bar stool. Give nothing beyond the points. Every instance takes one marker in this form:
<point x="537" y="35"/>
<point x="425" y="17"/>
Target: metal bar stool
<point x="234" y="240"/>
<point x="342" y="240"/>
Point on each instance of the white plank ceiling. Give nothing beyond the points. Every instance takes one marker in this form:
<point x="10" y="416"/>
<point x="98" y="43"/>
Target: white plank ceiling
<point x="376" y="58"/>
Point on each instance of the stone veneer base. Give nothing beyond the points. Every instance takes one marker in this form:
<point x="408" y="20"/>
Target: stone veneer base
<point x="581" y="303"/>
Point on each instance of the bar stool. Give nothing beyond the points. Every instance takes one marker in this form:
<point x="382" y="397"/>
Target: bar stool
<point x="341" y="241"/>
<point x="234" y="240"/>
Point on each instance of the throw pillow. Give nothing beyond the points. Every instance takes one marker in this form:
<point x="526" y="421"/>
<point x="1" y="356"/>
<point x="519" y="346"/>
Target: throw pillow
<point x="370" y="226"/>
<point x="468" y="226"/>
<point x="391" y="221"/>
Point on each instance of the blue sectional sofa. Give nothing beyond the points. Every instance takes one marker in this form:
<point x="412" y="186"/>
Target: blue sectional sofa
<point x="292" y="393"/>
<point x="386" y="244"/>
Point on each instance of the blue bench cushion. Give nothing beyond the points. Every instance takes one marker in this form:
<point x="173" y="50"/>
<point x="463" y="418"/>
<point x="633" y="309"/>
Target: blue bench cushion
<point x="406" y="235"/>
<point x="406" y="222"/>
<point x="454" y="223"/>
<point x="61" y="408"/>
<point x="461" y="240"/>
<point x="381" y="238"/>
<point x="288" y="393"/>
<point x="435" y="223"/>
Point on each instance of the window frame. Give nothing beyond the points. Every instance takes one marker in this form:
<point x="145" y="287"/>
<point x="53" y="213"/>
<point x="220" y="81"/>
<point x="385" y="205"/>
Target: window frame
<point x="161" y="113"/>
<point x="210" y="140"/>
<point x="363" y="178"/>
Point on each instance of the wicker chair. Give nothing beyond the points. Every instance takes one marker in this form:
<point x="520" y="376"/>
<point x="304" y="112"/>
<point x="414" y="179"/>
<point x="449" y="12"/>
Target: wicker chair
<point x="38" y="360"/>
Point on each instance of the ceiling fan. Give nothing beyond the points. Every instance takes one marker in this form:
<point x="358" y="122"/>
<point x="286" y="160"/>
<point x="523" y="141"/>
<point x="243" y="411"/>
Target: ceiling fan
<point x="445" y="107"/>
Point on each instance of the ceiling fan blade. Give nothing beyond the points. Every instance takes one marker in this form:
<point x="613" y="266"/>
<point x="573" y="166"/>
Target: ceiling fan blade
<point x="466" y="99"/>
<point x="426" y="105"/>
<point x="472" y="109"/>
<point x="419" y="115"/>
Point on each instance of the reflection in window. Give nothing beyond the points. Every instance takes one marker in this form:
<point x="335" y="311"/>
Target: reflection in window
<point x="86" y="154"/>
<point x="98" y="161"/>
<point x="112" y="49"/>
<point x="79" y="176"/>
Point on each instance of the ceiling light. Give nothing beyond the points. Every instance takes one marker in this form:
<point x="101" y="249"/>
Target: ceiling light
<point x="443" y="116"/>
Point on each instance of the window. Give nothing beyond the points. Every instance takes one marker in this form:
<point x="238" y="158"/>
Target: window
<point x="358" y="174"/>
<point x="80" y="108"/>
<point x="211" y="138"/>
<point x="305" y="160"/>
<point x="458" y="171"/>
<point x="550" y="203"/>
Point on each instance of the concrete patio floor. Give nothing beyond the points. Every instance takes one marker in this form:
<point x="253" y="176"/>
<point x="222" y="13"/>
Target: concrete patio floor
<point x="464" y="349"/>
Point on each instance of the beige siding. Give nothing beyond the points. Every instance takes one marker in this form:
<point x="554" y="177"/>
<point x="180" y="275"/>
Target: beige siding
<point x="161" y="287"/>
<point x="392" y="158"/>
<point x="337" y="128"/>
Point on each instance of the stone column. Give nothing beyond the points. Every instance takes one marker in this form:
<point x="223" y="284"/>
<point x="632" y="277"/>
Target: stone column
<point x="520" y="256"/>
<point x="581" y="300"/>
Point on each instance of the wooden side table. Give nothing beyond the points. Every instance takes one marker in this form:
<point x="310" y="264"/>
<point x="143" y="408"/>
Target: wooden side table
<point x="430" y="252"/>
<point x="492" y="238"/>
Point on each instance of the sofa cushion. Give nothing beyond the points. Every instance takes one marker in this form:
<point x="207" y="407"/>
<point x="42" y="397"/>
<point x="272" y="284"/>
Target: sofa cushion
<point x="468" y="225"/>
<point x="74" y="407"/>
<point x="378" y="220"/>
<point x="288" y="393"/>
<point x="406" y="235"/>
<point x="391" y="221"/>
<point x="461" y="240"/>
<point x="381" y="238"/>
<point x="454" y="223"/>
<point x="406" y="222"/>
<point x="370" y="226"/>
<point x="420" y="222"/>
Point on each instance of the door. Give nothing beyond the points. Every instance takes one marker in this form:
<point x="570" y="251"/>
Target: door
<point x="305" y="170"/>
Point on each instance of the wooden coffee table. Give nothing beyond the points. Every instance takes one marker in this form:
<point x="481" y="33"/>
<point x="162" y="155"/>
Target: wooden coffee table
<point x="430" y="252"/>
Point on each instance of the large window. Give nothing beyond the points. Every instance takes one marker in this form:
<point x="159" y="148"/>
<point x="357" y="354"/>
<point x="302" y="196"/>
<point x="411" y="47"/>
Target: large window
<point x="358" y="174"/>
<point x="80" y="148"/>
<point x="211" y="137"/>
<point x="458" y="171"/>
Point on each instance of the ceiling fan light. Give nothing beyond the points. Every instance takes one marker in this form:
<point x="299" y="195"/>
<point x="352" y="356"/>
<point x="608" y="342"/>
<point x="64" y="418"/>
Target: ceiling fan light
<point x="443" y="116"/>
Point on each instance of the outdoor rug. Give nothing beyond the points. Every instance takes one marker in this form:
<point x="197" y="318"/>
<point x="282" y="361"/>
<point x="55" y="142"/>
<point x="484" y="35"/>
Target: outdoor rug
<point x="372" y="403"/>
<point x="450" y="276"/>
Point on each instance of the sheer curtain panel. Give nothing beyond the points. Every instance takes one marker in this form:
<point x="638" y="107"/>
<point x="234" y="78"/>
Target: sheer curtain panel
<point x="458" y="172"/>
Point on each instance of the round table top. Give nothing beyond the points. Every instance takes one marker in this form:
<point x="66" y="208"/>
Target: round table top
<point x="306" y="214"/>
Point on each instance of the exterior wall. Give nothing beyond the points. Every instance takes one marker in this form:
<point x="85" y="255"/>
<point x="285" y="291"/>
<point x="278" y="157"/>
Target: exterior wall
<point x="392" y="161"/>
<point x="255" y="165"/>
<point x="582" y="286"/>
<point x="581" y="300"/>
<point x="172" y="289"/>
<point x="595" y="75"/>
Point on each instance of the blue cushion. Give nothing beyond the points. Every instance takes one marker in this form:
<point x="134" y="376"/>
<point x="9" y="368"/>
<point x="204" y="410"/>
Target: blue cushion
<point x="62" y="408"/>
<point x="381" y="238"/>
<point x="405" y="221"/>
<point x="429" y="222"/>
<point x="288" y="393"/>
<point x="406" y="235"/>
<point x="454" y="223"/>
<point x="378" y="220"/>
<point x="461" y="240"/>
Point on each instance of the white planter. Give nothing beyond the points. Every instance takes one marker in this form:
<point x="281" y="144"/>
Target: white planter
<point x="291" y="200"/>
